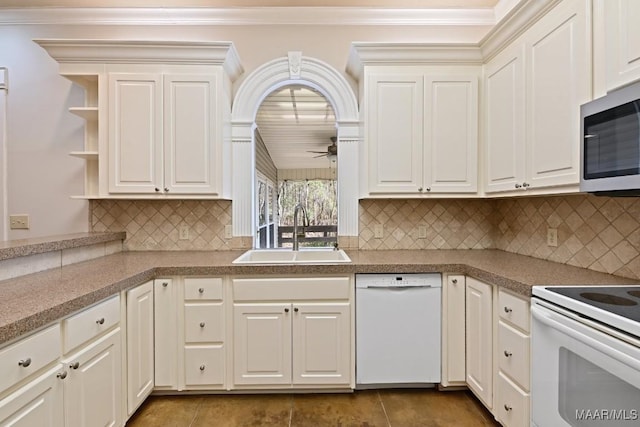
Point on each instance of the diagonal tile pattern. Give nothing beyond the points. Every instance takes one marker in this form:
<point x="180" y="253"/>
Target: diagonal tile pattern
<point x="156" y="224"/>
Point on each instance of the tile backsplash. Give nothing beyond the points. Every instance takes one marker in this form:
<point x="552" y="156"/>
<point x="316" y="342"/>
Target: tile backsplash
<point x="156" y="224"/>
<point x="444" y="223"/>
<point x="599" y="233"/>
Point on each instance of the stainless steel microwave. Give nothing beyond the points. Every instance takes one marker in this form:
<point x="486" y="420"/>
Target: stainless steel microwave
<point x="610" y="150"/>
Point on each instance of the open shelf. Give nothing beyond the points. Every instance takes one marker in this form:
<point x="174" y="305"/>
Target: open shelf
<point x="86" y="155"/>
<point x="90" y="114"/>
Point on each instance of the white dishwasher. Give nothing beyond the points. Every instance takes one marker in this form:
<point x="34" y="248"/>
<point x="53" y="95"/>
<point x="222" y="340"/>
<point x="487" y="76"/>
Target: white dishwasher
<point x="398" y="318"/>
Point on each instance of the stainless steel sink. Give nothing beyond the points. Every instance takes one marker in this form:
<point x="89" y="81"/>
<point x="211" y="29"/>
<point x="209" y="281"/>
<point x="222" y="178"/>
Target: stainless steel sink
<point x="287" y="256"/>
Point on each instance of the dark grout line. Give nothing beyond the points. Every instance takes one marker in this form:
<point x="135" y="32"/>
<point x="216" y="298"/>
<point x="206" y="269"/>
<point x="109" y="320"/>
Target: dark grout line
<point x="195" y="413"/>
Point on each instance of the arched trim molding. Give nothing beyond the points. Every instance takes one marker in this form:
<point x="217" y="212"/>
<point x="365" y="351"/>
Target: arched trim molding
<point x="311" y="72"/>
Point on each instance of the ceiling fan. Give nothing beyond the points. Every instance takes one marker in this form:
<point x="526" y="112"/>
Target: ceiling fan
<point x="332" y="150"/>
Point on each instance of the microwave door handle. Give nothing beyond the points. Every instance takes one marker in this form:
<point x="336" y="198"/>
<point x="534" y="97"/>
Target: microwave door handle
<point x="547" y="318"/>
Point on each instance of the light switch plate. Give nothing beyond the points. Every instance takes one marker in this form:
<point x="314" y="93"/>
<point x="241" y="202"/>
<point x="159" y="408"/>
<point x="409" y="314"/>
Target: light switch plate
<point x="228" y="231"/>
<point x="378" y="231"/>
<point x="184" y="232"/>
<point x="422" y="232"/>
<point x="552" y="237"/>
<point x="19" y="222"/>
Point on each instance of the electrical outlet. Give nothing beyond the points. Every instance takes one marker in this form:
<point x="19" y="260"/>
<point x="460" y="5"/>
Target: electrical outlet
<point x="552" y="237"/>
<point x="422" y="232"/>
<point x="378" y="231"/>
<point x="184" y="232"/>
<point x="228" y="231"/>
<point x="19" y="222"/>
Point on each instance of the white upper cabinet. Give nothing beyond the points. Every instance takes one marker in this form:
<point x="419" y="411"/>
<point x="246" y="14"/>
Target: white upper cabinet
<point x="164" y="133"/>
<point x="534" y="90"/>
<point x="622" y="42"/>
<point x="158" y="115"/>
<point x="421" y="130"/>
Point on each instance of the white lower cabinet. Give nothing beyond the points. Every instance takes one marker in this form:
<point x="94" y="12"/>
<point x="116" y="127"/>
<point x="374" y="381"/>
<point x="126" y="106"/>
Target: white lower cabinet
<point x="165" y="307"/>
<point x="453" y="331"/>
<point x="39" y="403"/>
<point x="140" y="345"/>
<point x="204" y="349"/>
<point x="512" y="400"/>
<point x="479" y="324"/>
<point x="93" y="384"/>
<point x="305" y="340"/>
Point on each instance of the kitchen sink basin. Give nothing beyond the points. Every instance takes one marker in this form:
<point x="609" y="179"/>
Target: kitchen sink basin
<point x="287" y="256"/>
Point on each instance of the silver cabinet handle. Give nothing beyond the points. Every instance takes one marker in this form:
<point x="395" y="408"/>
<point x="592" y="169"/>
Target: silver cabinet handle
<point x="202" y="324"/>
<point x="507" y="407"/>
<point x="296" y="309"/>
<point x="507" y="310"/>
<point x="507" y="353"/>
<point x="25" y="362"/>
<point x="74" y="365"/>
<point x="525" y="184"/>
<point x="166" y="190"/>
<point x="454" y="281"/>
<point x="286" y="310"/>
<point x="518" y="185"/>
<point x="428" y="188"/>
<point x="420" y="189"/>
<point x="165" y="284"/>
<point x="201" y="290"/>
<point x="100" y="321"/>
<point x="157" y="190"/>
<point x="202" y="367"/>
<point x="62" y="375"/>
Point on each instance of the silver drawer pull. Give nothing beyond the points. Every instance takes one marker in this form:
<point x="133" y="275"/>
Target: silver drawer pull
<point x="62" y="375"/>
<point x="507" y="309"/>
<point x="100" y="321"/>
<point x="165" y="284"/>
<point x="507" y="407"/>
<point x="74" y="365"/>
<point x="507" y="353"/>
<point x="454" y="281"/>
<point x="25" y="362"/>
<point x="202" y="324"/>
<point x="202" y="367"/>
<point x="201" y="290"/>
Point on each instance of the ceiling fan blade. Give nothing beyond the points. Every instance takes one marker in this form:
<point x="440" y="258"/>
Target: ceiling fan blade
<point x="317" y="152"/>
<point x="321" y="155"/>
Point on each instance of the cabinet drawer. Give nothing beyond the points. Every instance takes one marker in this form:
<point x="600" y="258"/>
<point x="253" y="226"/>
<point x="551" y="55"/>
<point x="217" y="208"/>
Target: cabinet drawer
<point x="203" y="323"/>
<point x="513" y="354"/>
<point x="204" y="365"/>
<point x="511" y="404"/>
<point x="514" y="310"/>
<point x="28" y="355"/>
<point x="203" y="288"/>
<point x="90" y="323"/>
<point x="292" y="289"/>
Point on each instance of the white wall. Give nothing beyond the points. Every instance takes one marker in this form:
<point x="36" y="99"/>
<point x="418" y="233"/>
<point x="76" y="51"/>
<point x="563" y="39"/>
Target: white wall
<point x="41" y="132"/>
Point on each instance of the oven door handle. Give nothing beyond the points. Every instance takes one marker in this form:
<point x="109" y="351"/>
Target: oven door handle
<point x="559" y="323"/>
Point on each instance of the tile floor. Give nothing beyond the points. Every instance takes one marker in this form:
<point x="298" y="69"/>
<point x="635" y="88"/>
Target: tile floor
<point x="370" y="408"/>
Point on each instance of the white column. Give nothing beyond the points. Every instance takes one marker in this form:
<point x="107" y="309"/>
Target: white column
<point x="348" y="176"/>
<point x="242" y="189"/>
<point x="4" y="213"/>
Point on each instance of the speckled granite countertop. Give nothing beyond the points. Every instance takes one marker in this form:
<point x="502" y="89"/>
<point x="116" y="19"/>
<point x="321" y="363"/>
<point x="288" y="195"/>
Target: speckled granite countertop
<point x="35" y="300"/>
<point x="23" y="247"/>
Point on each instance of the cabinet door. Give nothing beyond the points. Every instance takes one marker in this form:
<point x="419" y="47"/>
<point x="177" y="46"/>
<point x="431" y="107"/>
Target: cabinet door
<point x="453" y="331"/>
<point x="190" y="146"/>
<point x="39" y="403"/>
<point x="165" y="333"/>
<point x="135" y="133"/>
<point x="504" y="131"/>
<point x="479" y="314"/>
<point x="558" y="81"/>
<point x="140" y="345"/>
<point x="321" y="343"/>
<point x="395" y="132"/>
<point x="262" y="344"/>
<point x="622" y="42"/>
<point x="93" y="388"/>
<point x="451" y="134"/>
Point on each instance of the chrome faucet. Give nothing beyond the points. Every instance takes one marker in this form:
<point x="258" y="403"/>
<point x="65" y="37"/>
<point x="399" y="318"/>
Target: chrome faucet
<point x="305" y="223"/>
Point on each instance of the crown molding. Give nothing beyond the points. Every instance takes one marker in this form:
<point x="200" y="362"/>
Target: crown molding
<point x="362" y="54"/>
<point x="248" y="16"/>
<point x="126" y="51"/>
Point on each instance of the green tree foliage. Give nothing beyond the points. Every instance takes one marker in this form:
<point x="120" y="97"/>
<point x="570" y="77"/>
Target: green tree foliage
<point x="319" y="197"/>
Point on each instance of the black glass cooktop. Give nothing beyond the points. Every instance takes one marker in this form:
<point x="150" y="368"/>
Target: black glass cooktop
<point x="621" y="300"/>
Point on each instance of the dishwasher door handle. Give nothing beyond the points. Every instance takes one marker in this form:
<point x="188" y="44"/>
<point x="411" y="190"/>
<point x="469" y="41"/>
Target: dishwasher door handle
<point x="399" y="288"/>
